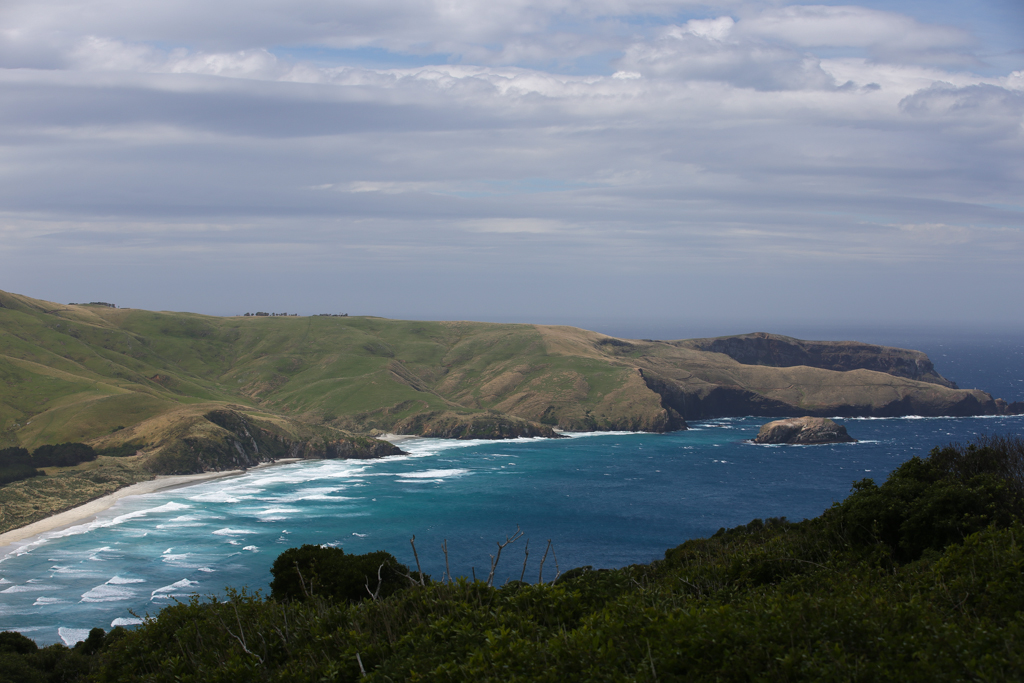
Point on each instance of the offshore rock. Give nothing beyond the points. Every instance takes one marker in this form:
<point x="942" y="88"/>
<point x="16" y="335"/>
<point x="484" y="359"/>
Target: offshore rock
<point x="803" y="430"/>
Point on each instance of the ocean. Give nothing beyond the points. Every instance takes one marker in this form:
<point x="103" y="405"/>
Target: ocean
<point x="603" y="499"/>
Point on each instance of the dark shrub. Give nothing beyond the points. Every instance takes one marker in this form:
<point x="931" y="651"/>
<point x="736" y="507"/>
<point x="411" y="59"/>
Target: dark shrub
<point x="12" y="641"/>
<point x="15" y="465"/>
<point x="300" y="573"/>
<point x="931" y="503"/>
<point x="62" y="455"/>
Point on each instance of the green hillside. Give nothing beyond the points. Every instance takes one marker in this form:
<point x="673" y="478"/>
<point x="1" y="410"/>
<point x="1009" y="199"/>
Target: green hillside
<point x="110" y="376"/>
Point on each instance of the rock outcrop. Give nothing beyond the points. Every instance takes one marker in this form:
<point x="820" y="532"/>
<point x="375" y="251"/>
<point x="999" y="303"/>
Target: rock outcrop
<point x="803" y="430"/>
<point x="448" y="425"/>
<point x="225" y="439"/>
<point x="779" y="351"/>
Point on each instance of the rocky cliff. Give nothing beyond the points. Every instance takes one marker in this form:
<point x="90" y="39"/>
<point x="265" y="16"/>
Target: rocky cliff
<point x="777" y="351"/>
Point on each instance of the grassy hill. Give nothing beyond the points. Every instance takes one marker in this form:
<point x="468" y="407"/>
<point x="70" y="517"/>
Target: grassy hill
<point x="116" y="376"/>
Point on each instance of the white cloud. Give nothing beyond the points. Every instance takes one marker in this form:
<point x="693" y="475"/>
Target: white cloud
<point x="851" y="26"/>
<point x="754" y="135"/>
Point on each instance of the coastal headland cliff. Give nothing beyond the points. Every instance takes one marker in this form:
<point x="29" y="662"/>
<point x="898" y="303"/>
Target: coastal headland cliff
<point x="187" y="392"/>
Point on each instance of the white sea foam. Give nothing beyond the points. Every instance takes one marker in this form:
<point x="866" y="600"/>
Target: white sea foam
<point x="71" y="636"/>
<point x="99" y="523"/>
<point x="360" y="535"/>
<point x="125" y="621"/>
<point x="29" y="588"/>
<point x="227" y="531"/>
<point x="121" y="519"/>
<point x="214" y="497"/>
<point x="435" y="474"/>
<point x="251" y="548"/>
<point x="120" y="580"/>
<point x="174" y="589"/>
<point x="174" y="559"/>
<point x="313" y="493"/>
<point x="42" y="601"/>
<point x="278" y="511"/>
<point x="108" y="593"/>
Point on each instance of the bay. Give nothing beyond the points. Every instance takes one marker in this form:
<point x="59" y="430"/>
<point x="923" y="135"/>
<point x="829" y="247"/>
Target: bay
<point x="604" y="499"/>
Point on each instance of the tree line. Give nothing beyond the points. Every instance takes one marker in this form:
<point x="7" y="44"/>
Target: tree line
<point x="17" y="463"/>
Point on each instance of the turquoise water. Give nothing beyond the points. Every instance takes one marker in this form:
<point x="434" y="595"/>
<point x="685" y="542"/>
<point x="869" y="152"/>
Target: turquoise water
<point x="605" y="499"/>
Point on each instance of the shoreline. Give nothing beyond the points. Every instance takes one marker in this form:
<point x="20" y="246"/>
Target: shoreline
<point x="396" y="439"/>
<point x="88" y="511"/>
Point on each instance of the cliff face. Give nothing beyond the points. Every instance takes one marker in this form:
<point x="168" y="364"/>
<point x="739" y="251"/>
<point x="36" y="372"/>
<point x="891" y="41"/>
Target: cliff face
<point x="224" y="439"/>
<point x="777" y="351"/>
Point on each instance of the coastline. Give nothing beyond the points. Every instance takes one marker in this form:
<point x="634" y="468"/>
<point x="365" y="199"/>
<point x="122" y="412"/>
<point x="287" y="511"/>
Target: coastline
<point x="397" y="439"/>
<point x="88" y="511"/>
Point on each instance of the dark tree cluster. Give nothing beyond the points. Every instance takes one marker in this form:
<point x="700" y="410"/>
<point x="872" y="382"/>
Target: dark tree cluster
<point x="63" y="455"/>
<point x="17" y="463"/>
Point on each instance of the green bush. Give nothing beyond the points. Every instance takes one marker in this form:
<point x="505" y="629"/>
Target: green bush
<point x="929" y="504"/>
<point x="16" y="464"/>
<point x="313" y="570"/>
<point x="63" y="455"/>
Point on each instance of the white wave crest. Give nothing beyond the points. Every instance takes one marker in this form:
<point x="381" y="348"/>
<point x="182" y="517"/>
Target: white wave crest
<point x="42" y="601"/>
<point x="29" y="588"/>
<point x="71" y="636"/>
<point x="174" y="589"/>
<point x="119" y="580"/>
<point x="435" y="474"/>
<point x="108" y="593"/>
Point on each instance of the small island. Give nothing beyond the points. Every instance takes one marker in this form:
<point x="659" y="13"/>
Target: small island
<point x="803" y="431"/>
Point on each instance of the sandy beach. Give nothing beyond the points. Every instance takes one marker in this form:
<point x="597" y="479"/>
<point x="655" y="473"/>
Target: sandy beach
<point x="87" y="511"/>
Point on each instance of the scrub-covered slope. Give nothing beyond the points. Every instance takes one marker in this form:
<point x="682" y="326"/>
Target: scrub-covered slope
<point x="116" y="376"/>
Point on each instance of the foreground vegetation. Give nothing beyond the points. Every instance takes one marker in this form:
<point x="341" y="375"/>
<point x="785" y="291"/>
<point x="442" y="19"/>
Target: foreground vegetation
<point x="918" y="579"/>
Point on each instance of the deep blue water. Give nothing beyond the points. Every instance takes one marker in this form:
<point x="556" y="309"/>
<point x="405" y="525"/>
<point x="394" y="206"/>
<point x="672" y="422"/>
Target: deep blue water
<point x="605" y="500"/>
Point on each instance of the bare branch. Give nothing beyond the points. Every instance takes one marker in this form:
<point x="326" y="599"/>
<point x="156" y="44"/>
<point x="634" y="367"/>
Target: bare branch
<point x="361" y="669"/>
<point x="447" y="571"/>
<point x="302" y="583"/>
<point x="509" y="540"/>
<point x="412" y="542"/>
<point x="241" y="641"/>
<point x="380" y="582"/>
<point x="527" y="557"/>
<point x="540" y="576"/>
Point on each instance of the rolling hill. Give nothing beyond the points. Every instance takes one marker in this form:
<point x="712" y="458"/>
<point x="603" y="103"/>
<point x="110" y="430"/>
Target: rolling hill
<point x="177" y="385"/>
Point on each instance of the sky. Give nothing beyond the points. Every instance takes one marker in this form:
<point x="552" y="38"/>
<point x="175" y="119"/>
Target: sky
<point x="625" y="165"/>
